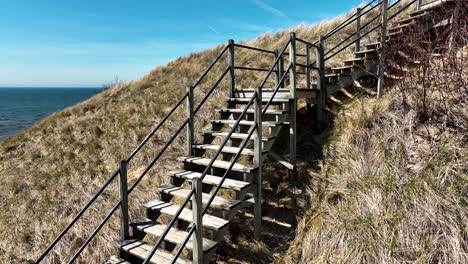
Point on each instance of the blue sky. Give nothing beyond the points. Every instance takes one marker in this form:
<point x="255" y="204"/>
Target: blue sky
<point x="88" y="43"/>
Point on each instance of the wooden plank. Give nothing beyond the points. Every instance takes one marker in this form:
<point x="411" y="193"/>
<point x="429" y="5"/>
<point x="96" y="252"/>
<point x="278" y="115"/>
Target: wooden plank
<point x="217" y="164"/>
<point x="211" y="180"/>
<point x="209" y="221"/>
<point x="197" y="212"/>
<point x="226" y="149"/>
<point x="244" y="122"/>
<point x="174" y="235"/>
<point x="141" y="249"/>
<point x="218" y="202"/>
<point x="116" y="260"/>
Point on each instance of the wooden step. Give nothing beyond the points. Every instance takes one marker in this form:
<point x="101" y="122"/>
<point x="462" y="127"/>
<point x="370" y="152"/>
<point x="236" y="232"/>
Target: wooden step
<point x="251" y="111"/>
<point x="116" y="260"/>
<point x="264" y="100"/>
<point x="174" y="235"/>
<point x="354" y="61"/>
<point x="236" y="135"/>
<point x="244" y="122"/>
<point x="226" y="149"/>
<point x="410" y="19"/>
<point x="366" y="51"/>
<point x="229" y="184"/>
<point x="219" y="202"/>
<point x="280" y="90"/>
<point x="209" y="221"/>
<point x="217" y="164"/>
<point x="141" y="250"/>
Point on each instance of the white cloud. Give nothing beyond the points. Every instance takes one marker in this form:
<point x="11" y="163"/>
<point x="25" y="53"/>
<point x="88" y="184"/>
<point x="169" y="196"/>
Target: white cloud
<point x="270" y="9"/>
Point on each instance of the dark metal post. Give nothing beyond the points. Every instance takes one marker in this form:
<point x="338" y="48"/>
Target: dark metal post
<point x="281" y="69"/>
<point x="124" y="234"/>
<point x="197" y="214"/>
<point x="358" y="30"/>
<point x="232" y="69"/>
<point x="321" y="89"/>
<point x="258" y="163"/>
<point x="278" y="76"/>
<point x="383" y="45"/>
<point x="292" y="106"/>
<point x="308" y="47"/>
<point x="190" y="125"/>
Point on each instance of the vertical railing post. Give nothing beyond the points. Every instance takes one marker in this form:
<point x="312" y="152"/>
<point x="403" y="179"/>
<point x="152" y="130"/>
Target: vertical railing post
<point x="124" y="234"/>
<point x="418" y="5"/>
<point x="321" y="89"/>
<point x="190" y="124"/>
<point x="281" y="68"/>
<point x="277" y="75"/>
<point x="258" y="158"/>
<point x="358" y="30"/>
<point x="383" y="47"/>
<point x="308" y="80"/>
<point x="292" y="106"/>
<point x="232" y="68"/>
<point x="197" y="214"/>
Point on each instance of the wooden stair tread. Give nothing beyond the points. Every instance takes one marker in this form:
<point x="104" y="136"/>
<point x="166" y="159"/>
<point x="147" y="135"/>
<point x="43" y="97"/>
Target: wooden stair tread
<point x="141" y="250"/>
<point x="236" y="135"/>
<point x="250" y="111"/>
<point x="244" y="122"/>
<point x="226" y="149"/>
<point x="174" y="235"/>
<point x="217" y="164"/>
<point x="280" y="90"/>
<point x="211" y="180"/>
<point x="264" y="100"/>
<point x="366" y="51"/>
<point x="116" y="260"/>
<point x="218" y="202"/>
<point x="209" y="221"/>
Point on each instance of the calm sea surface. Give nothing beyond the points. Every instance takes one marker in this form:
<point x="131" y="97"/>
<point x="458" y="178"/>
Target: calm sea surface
<point x="20" y="108"/>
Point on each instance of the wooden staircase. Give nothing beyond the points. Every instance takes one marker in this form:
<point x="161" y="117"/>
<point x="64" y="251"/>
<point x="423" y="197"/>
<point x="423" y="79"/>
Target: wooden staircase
<point x="241" y="184"/>
<point x="191" y="217"/>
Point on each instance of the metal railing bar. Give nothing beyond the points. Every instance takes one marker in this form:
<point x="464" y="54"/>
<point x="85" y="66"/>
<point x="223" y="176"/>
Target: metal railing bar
<point x="306" y="66"/>
<point x="277" y="89"/>
<point x="306" y="42"/>
<point x="224" y="177"/>
<point x="334" y="30"/>
<point x="80" y="213"/>
<point x="350" y="21"/>
<point x="161" y="152"/>
<point x="298" y="55"/>
<point x="254" y="48"/>
<point x="376" y="27"/>
<point x="205" y="172"/>
<point x="211" y="90"/>
<point x="134" y="152"/>
<point x="169" y="226"/>
<point x="210" y="67"/>
<point x="364" y="26"/>
<point x="275" y="63"/>
<point x="163" y="120"/>
<point x="251" y="69"/>
<point x="83" y="246"/>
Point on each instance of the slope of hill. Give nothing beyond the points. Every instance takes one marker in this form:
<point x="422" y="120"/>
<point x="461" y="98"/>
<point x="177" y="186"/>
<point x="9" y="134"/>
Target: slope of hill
<point x="394" y="180"/>
<point x="49" y="171"/>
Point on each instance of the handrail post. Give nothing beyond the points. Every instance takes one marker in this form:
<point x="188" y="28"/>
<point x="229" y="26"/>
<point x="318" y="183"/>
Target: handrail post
<point x="258" y="158"/>
<point x="124" y="234"/>
<point x="383" y="44"/>
<point x="292" y="106"/>
<point x="232" y="65"/>
<point x="358" y="30"/>
<point x="321" y="89"/>
<point x="418" y="5"/>
<point x="278" y="73"/>
<point x="308" y="77"/>
<point x="197" y="214"/>
<point x="281" y="69"/>
<point x="190" y="124"/>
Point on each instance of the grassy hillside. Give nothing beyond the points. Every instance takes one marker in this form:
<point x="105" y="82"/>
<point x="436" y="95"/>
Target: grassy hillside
<point x="393" y="182"/>
<point x="49" y="171"/>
